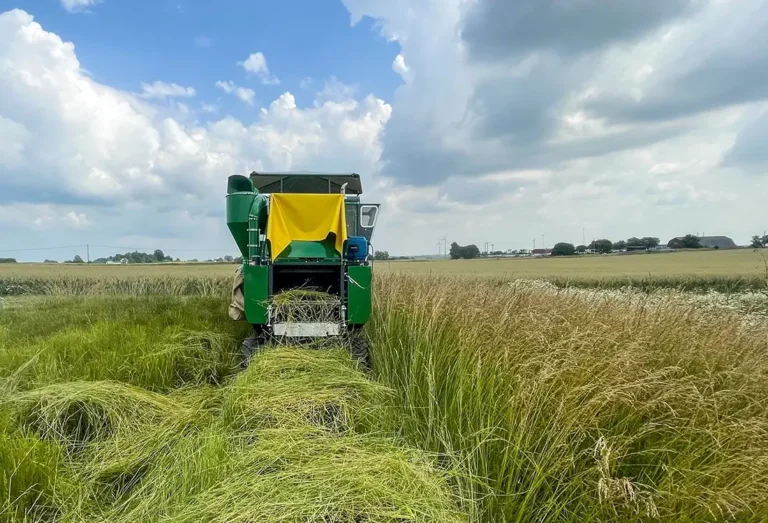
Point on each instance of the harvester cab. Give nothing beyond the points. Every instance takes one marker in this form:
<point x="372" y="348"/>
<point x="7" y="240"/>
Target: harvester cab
<point x="305" y="240"/>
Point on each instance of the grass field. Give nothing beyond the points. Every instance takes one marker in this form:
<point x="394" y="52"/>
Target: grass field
<point x="727" y="271"/>
<point x="491" y="399"/>
<point x="737" y="262"/>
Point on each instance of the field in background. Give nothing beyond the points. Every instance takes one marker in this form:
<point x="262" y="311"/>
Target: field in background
<point x="727" y="263"/>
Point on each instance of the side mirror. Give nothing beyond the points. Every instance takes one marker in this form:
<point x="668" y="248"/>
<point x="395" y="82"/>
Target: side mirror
<point x="368" y="215"/>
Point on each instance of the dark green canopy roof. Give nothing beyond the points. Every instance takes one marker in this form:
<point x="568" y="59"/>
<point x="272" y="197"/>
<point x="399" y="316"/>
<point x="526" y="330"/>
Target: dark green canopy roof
<point x="306" y="182"/>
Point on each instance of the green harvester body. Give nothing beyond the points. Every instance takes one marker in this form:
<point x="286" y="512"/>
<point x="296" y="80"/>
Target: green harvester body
<point x="307" y="265"/>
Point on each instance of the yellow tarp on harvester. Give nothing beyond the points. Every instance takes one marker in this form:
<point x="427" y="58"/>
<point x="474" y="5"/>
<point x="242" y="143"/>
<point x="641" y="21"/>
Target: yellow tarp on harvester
<point x="306" y="217"/>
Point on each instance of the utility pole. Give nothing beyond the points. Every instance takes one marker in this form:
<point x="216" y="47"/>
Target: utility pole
<point x="543" y="245"/>
<point x="534" y="244"/>
<point x="88" y="253"/>
<point x="583" y="236"/>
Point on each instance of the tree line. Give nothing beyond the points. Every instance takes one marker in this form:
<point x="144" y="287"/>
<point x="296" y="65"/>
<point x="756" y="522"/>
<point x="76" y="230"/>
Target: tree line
<point x="759" y="241"/>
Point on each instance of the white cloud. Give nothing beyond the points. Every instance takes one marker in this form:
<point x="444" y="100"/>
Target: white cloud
<point x="399" y="66"/>
<point x="42" y="217"/>
<point x="165" y="90"/>
<point x="74" y="6"/>
<point x="208" y="108"/>
<point x="336" y="91"/>
<point x="14" y="138"/>
<point x="70" y="219"/>
<point x="495" y="101"/>
<point x="121" y="166"/>
<point x="245" y="94"/>
<point x="256" y="64"/>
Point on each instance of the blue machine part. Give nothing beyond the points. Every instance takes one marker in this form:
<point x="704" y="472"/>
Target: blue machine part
<point x="357" y="248"/>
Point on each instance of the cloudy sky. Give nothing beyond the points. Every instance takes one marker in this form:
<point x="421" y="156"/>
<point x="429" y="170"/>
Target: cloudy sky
<point x="479" y="120"/>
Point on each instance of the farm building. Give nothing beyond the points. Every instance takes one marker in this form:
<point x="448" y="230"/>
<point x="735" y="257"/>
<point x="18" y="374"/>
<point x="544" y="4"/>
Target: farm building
<point x="709" y="242"/>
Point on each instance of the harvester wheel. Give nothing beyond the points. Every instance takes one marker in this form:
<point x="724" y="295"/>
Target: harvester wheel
<point x="360" y="350"/>
<point x="251" y="346"/>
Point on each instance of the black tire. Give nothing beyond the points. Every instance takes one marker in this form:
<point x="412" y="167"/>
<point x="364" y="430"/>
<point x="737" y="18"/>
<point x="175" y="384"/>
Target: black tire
<point x="251" y="346"/>
<point x="361" y="351"/>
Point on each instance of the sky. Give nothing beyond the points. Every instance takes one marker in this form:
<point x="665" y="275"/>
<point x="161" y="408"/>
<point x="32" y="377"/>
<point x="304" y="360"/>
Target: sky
<point x="472" y="120"/>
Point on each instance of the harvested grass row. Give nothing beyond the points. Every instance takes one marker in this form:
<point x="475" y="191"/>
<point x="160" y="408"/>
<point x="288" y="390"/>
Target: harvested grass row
<point x="300" y="436"/>
<point x="294" y="387"/>
<point x="576" y="409"/>
<point x="289" y="474"/>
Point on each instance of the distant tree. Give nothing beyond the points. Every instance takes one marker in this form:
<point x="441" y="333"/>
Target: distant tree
<point x="563" y="249"/>
<point x="471" y="252"/>
<point x="229" y="259"/>
<point x="759" y="241"/>
<point x="239" y="259"/>
<point x="77" y="259"/>
<point x="602" y="246"/>
<point x="7" y="260"/>
<point x="634" y="241"/>
<point x="467" y="252"/>
<point x="50" y="261"/>
<point x="381" y="255"/>
<point x="581" y="248"/>
<point x="650" y="242"/>
<point x="689" y="241"/>
<point x="159" y="256"/>
<point x="620" y="245"/>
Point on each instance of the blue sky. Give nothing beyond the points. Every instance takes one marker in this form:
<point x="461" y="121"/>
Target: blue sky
<point x="198" y="43"/>
<point x="478" y="120"/>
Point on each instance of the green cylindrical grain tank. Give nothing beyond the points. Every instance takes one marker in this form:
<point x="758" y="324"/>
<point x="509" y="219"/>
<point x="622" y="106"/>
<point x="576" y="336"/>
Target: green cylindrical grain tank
<point x="243" y="201"/>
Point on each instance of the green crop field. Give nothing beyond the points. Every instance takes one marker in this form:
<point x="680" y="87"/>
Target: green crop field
<point x="494" y="397"/>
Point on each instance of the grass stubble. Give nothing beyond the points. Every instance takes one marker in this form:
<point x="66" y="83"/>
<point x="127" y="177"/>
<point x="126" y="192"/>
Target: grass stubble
<point x="528" y="403"/>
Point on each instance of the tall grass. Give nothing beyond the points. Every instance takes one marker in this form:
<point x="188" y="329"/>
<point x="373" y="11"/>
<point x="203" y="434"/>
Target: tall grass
<point x="57" y="284"/>
<point x="570" y="408"/>
<point x="165" y="284"/>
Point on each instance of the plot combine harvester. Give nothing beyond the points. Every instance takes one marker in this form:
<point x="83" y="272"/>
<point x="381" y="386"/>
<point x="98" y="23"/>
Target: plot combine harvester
<point x="305" y="235"/>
